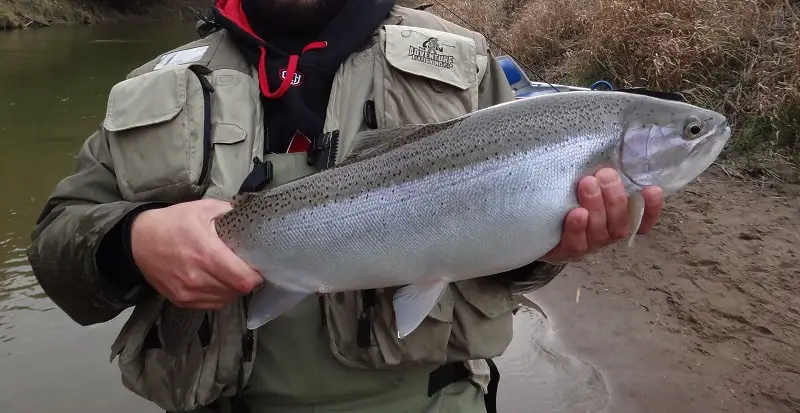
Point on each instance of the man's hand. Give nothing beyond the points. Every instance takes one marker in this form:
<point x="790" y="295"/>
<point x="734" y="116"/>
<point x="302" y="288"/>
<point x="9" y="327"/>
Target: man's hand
<point x="182" y="257"/>
<point x="602" y="218"/>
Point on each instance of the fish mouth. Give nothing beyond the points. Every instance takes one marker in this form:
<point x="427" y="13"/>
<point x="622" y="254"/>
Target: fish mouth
<point x="723" y="130"/>
<point x="714" y="141"/>
<point x="727" y="132"/>
<point x="701" y="156"/>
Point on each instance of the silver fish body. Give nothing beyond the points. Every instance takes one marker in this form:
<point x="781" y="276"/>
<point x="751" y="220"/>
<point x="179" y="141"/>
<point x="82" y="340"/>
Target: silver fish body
<point x="425" y="205"/>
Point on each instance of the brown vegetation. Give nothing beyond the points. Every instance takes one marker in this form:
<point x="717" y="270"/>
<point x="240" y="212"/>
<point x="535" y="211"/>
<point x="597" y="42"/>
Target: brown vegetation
<point x="741" y="57"/>
<point x="16" y="14"/>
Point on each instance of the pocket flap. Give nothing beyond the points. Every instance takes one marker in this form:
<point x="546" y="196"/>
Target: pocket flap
<point x="491" y="297"/>
<point x="142" y="101"/>
<point x="443" y="310"/>
<point x="441" y="56"/>
<point x="227" y="133"/>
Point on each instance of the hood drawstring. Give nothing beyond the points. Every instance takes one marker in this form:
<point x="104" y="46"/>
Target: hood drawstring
<point x="291" y="70"/>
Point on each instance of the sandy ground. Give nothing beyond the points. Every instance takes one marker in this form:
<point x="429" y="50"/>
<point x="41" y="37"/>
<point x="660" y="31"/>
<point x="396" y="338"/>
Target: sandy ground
<point x="702" y="315"/>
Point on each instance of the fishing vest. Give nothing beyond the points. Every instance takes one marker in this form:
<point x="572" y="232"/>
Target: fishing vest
<point x="188" y="125"/>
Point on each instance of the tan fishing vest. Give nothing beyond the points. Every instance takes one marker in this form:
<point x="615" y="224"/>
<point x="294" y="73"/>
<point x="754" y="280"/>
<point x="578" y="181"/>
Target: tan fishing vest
<point x="189" y="124"/>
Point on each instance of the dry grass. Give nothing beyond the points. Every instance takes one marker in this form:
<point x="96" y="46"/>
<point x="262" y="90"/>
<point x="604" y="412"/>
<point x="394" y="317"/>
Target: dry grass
<point x="741" y="57"/>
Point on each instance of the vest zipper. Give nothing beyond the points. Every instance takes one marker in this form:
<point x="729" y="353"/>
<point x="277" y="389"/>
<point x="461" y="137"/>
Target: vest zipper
<point x="334" y="152"/>
<point x="323" y="151"/>
<point x="207" y="145"/>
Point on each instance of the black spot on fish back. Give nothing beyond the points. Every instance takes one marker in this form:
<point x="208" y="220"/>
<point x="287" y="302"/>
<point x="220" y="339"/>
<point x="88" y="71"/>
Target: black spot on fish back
<point x="493" y="134"/>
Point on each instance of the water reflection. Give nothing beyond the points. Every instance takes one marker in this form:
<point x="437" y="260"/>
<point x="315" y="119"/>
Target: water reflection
<point x="18" y="288"/>
<point x="17" y="284"/>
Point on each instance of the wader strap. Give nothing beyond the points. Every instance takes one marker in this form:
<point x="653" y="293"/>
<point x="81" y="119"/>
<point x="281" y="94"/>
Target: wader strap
<point x="446" y="375"/>
<point x="490" y="398"/>
<point x="233" y="404"/>
<point x="451" y="373"/>
<point x="238" y="403"/>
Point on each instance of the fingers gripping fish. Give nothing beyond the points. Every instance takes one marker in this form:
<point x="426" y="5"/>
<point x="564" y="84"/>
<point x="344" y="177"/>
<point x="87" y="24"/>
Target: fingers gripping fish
<point x="422" y="206"/>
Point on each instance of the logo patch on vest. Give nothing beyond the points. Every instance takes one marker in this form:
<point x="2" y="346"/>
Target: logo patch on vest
<point x="431" y="52"/>
<point x="297" y="79"/>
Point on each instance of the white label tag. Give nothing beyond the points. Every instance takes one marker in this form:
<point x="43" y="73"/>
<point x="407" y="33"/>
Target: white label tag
<point x="181" y="57"/>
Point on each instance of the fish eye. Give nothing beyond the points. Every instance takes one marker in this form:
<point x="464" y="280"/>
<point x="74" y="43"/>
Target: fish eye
<point x="693" y="128"/>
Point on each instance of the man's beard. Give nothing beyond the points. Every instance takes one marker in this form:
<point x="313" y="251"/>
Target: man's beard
<point x="295" y="17"/>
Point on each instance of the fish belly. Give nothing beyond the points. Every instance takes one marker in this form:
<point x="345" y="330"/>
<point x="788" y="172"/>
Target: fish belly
<point x="453" y="225"/>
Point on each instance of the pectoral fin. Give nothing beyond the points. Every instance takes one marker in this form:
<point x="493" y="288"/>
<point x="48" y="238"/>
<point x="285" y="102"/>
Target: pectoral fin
<point x="635" y="214"/>
<point x="413" y="303"/>
<point x="269" y="302"/>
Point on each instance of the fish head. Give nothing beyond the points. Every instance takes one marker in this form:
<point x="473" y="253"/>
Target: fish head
<point x="668" y="143"/>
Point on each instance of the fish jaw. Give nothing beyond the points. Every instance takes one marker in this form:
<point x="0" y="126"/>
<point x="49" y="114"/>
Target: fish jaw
<point x="701" y="156"/>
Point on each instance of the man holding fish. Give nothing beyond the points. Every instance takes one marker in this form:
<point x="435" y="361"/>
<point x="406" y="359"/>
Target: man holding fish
<point x="284" y="94"/>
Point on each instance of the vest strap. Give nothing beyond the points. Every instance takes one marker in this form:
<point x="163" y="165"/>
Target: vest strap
<point x="450" y="373"/>
<point x="446" y="375"/>
<point x="490" y="398"/>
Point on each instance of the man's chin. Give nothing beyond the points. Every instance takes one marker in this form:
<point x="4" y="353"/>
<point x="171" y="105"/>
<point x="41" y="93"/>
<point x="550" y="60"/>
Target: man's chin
<point x="295" y="16"/>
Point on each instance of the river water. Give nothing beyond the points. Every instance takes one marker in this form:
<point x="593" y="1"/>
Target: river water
<point x="53" y="88"/>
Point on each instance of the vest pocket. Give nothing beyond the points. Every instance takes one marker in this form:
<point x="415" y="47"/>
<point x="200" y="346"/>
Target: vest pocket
<point x="426" y="76"/>
<point x="472" y="320"/>
<point x="362" y="330"/>
<point x="482" y="319"/>
<point x="162" y="138"/>
<point x="182" y="359"/>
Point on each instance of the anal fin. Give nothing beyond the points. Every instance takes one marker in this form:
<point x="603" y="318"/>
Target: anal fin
<point x="635" y="214"/>
<point x="414" y="302"/>
<point x="269" y="302"/>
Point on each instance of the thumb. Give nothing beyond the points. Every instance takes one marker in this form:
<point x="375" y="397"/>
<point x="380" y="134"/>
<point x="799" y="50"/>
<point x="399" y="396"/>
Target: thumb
<point x="213" y="208"/>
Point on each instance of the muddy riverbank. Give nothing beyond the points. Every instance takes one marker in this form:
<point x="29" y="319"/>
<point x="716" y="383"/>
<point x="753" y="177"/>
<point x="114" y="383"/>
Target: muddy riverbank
<point x="702" y="314"/>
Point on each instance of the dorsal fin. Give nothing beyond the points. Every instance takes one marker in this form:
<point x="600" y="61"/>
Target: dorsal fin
<point x="371" y="143"/>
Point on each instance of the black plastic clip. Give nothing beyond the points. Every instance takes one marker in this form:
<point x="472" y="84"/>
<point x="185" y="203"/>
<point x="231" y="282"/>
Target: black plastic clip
<point x="258" y="178"/>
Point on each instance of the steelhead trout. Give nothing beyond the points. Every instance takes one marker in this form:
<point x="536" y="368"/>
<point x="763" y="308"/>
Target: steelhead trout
<point x="422" y="206"/>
